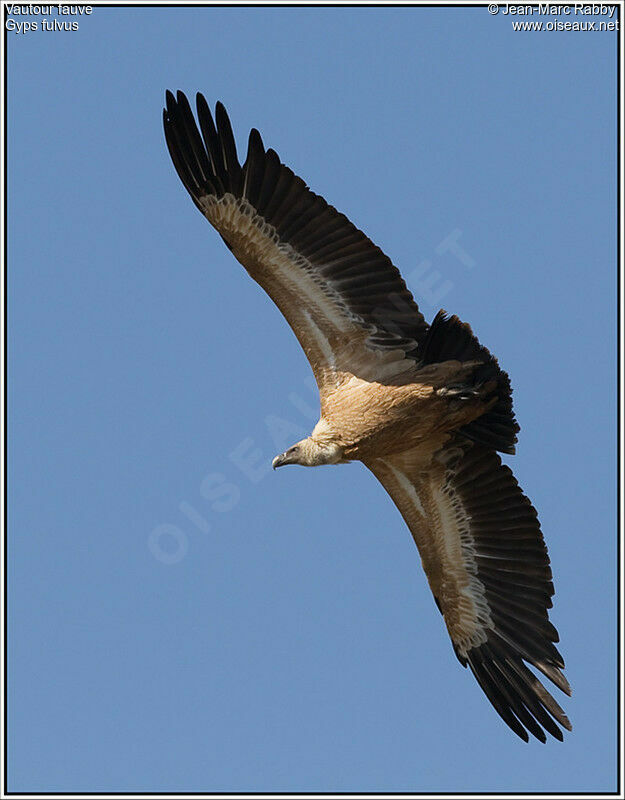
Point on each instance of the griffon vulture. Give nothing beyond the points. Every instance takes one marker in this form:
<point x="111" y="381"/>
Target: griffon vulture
<point x="424" y="406"/>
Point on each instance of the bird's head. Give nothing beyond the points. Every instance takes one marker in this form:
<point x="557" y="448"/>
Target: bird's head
<point x="309" y="453"/>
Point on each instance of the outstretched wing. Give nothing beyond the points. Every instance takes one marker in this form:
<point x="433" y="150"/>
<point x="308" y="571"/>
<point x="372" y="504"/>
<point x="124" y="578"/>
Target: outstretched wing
<point x="346" y="302"/>
<point x="487" y="565"/>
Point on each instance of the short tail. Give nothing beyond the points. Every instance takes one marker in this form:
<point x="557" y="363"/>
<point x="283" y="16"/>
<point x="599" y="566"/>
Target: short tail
<point x="450" y="339"/>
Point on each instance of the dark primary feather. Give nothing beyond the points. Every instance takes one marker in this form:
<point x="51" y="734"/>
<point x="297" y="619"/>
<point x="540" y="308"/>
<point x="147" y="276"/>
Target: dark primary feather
<point x="371" y="288"/>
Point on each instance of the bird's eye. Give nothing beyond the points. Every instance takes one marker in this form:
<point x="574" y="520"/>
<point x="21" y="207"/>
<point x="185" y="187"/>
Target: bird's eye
<point x="294" y="449"/>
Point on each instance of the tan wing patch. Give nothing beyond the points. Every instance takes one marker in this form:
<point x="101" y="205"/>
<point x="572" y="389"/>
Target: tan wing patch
<point x="441" y="530"/>
<point x="329" y="332"/>
<point x="465" y="608"/>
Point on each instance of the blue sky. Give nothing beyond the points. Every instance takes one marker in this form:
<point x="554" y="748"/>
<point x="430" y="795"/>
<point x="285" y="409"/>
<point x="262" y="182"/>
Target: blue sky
<point x="181" y="618"/>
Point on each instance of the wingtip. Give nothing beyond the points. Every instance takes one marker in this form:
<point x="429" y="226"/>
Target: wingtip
<point x="203" y="109"/>
<point x="255" y="142"/>
<point x="170" y="102"/>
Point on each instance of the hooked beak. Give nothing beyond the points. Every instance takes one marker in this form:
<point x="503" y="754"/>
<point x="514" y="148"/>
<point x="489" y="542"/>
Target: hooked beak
<point x="280" y="461"/>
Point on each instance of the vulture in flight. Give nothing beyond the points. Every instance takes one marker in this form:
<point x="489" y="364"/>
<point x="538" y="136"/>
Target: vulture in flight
<point x="424" y="406"/>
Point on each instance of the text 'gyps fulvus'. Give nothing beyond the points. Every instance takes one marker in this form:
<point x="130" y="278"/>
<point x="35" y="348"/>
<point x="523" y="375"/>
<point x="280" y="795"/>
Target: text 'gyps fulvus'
<point x="424" y="407"/>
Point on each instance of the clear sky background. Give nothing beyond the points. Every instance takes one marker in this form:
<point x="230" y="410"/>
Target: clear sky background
<point x="182" y="618"/>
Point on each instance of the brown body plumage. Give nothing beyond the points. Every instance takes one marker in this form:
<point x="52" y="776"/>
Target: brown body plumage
<point x="424" y="407"/>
